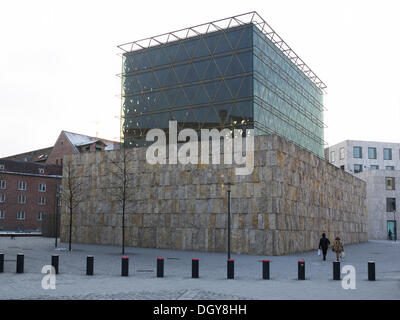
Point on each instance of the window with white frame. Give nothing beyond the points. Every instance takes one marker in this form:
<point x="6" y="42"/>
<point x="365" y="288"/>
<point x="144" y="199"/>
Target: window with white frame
<point x="2" y="197"/>
<point x="42" y="201"/>
<point x="21" y="198"/>
<point x="332" y="156"/>
<point x="3" y="184"/>
<point x="21" y="215"/>
<point x="41" y="170"/>
<point x="40" y="216"/>
<point x="390" y="183"/>
<point x="2" y="214"/>
<point x="341" y="153"/>
<point x="22" y="185"/>
<point x="42" y="187"/>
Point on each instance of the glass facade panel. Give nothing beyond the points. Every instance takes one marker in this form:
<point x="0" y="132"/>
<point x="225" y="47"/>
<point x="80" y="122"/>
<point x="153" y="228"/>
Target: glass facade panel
<point x="201" y="82"/>
<point x="231" y="78"/>
<point x="285" y="101"/>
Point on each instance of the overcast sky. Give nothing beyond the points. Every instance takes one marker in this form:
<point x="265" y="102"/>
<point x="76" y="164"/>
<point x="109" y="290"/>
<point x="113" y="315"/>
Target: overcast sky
<point x="58" y="61"/>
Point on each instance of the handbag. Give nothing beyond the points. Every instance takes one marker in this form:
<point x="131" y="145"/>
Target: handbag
<point x="343" y="254"/>
<point x="319" y="252"/>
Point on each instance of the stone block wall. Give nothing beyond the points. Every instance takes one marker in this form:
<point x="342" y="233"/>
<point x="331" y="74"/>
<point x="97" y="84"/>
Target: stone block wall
<point x="283" y="207"/>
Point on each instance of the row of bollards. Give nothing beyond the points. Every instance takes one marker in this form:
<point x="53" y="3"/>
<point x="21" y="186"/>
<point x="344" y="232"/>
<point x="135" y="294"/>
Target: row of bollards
<point x="195" y="267"/>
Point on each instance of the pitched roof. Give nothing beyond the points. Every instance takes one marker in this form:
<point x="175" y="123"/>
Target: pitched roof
<point x="39" y="155"/>
<point x="81" y="139"/>
<point x="32" y="168"/>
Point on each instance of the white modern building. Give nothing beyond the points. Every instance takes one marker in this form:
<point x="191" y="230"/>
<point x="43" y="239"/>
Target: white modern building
<point x="355" y="156"/>
<point x="377" y="163"/>
<point x="383" y="194"/>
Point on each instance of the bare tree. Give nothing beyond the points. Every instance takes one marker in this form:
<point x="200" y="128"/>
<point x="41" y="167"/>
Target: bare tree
<point x="72" y="192"/>
<point x="123" y="184"/>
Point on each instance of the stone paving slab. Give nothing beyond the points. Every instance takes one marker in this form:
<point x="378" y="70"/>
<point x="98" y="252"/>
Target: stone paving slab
<point x="142" y="283"/>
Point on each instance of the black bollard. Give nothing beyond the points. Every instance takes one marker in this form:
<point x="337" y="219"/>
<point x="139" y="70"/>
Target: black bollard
<point x="336" y="270"/>
<point x="195" y="268"/>
<point x="160" y="267"/>
<point x="54" y="262"/>
<point x="231" y="269"/>
<point x="20" y="263"/>
<point x="301" y="270"/>
<point x="125" y="267"/>
<point x="265" y="269"/>
<point x="371" y="270"/>
<point x="1" y="262"/>
<point x="89" y="265"/>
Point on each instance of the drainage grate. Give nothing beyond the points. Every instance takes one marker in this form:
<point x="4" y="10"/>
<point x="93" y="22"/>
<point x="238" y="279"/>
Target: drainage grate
<point x="145" y="270"/>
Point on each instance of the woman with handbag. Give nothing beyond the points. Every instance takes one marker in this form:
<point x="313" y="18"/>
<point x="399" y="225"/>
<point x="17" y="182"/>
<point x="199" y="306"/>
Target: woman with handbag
<point x="337" y="248"/>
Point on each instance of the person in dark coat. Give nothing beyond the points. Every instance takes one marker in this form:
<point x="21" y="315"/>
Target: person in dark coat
<point x="324" y="245"/>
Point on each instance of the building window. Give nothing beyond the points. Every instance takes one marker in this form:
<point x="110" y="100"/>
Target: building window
<point x="22" y="185"/>
<point x="374" y="167"/>
<point x="41" y="170"/>
<point x="332" y="156"/>
<point x="371" y="153"/>
<point x="2" y="197"/>
<point x="59" y="201"/>
<point x="387" y="154"/>
<point x="357" y="152"/>
<point x="59" y="188"/>
<point x="42" y="187"/>
<point x="342" y="167"/>
<point x="390" y="204"/>
<point x="341" y="153"/>
<point x="40" y="216"/>
<point x="357" y="168"/>
<point x="389" y="167"/>
<point x="42" y="201"/>
<point x="21" y="215"/>
<point x="3" y="184"/>
<point x="21" y="199"/>
<point x="390" y="183"/>
<point x="2" y="214"/>
<point x="1" y="166"/>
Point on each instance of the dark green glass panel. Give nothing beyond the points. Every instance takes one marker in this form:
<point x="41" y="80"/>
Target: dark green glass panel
<point x="211" y="42"/>
<point x="223" y="63"/>
<point x="212" y="71"/>
<point x="223" y="45"/>
<point x="191" y="74"/>
<point x="201" y="67"/>
<point x="181" y="54"/>
<point x="201" y="49"/>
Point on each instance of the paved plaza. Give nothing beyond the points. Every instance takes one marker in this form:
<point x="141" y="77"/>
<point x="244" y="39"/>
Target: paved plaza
<point x="142" y="283"/>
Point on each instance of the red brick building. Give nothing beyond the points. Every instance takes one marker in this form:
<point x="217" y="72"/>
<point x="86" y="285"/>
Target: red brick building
<point x="28" y="191"/>
<point x="28" y="181"/>
<point x="67" y="143"/>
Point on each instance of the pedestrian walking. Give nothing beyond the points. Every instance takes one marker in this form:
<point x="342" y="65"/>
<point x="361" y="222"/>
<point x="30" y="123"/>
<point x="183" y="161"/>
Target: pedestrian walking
<point x="324" y="245"/>
<point x="337" y="248"/>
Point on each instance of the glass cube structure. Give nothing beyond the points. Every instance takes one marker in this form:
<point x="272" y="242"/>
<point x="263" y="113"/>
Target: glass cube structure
<point x="233" y="73"/>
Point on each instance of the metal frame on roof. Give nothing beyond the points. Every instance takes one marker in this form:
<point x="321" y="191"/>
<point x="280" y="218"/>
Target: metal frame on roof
<point x="242" y="19"/>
